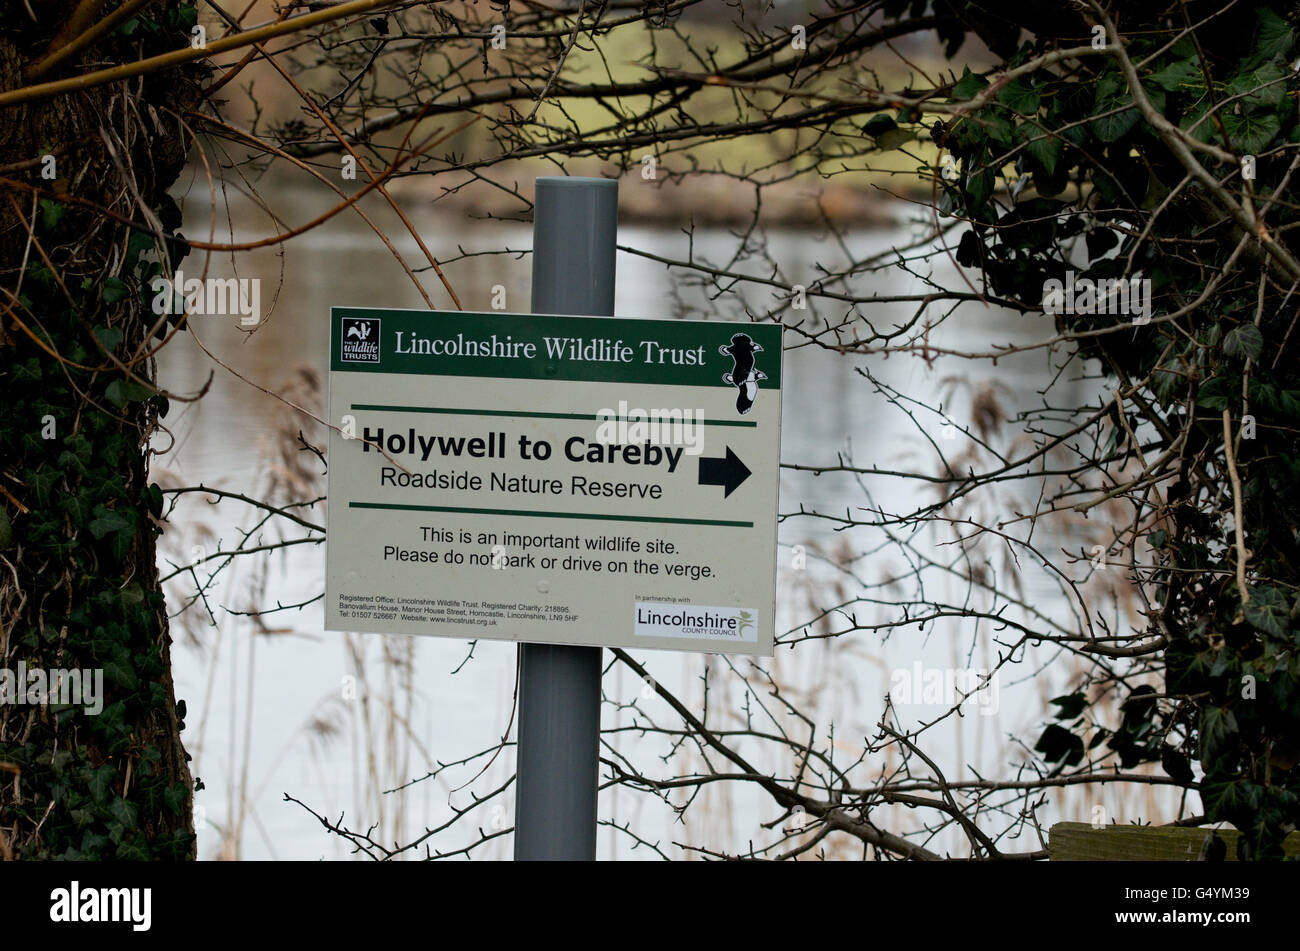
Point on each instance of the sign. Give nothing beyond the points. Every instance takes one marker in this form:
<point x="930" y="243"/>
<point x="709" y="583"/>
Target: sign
<point x="562" y="480"/>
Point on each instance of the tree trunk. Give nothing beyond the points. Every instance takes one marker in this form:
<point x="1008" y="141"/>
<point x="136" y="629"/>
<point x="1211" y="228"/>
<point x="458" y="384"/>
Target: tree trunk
<point x="79" y="587"/>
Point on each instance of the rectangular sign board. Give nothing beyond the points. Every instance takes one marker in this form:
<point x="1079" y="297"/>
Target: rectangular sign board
<point x="553" y="479"/>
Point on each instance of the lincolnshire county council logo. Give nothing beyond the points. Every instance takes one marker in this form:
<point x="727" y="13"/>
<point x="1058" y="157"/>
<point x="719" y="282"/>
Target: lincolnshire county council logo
<point x="653" y="619"/>
<point x="744" y="376"/>
<point x="360" y="340"/>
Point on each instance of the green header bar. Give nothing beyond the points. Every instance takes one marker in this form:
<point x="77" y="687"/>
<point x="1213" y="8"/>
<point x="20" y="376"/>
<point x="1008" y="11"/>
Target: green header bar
<point x="550" y="347"/>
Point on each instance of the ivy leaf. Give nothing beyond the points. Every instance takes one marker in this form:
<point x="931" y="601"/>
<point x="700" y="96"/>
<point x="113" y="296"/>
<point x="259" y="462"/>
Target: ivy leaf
<point x="1218" y="726"/>
<point x="120" y="392"/>
<point x="1268" y="611"/>
<point x="110" y="521"/>
<point x="1183" y="73"/>
<point x="997" y="128"/>
<point x="1264" y="86"/>
<point x="91" y="845"/>
<point x="1138" y="707"/>
<point x="886" y="132"/>
<point x="1196" y="124"/>
<point x="1021" y="97"/>
<point x="1112" y="94"/>
<point x="184" y="16"/>
<point x="51" y="213"/>
<point x="969" y="85"/>
<point x="174" y="799"/>
<point x="115" y="393"/>
<point x="123" y="811"/>
<point x="119" y="672"/>
<point x="137" y="244"/>
<point x="978" y="188"/>
<point x="968" y="249"/>
<point x="1071" y="705"/>
<point x="1175" y="765"/>
<point x="1043" y="146"/>
<point x="110" y="337"/>
<point x="114" y="290"/>
<point x="1099" y="241"/>
<point x="1108" y="128"/>
<point x="1130" y="752"/>
<point x="1244" y="341"/>
<point x="101" y="782"/>
<point x="1273" y="36"/>
<point x="131" y="851"/>
<point x="1223" y="661"/>
<point x="1059" y="744"/>
<point x="879" y="124"/>
<point x="1251" y="132"/>
<point x="1211" y="395"/>
<point x="153" y="497"/>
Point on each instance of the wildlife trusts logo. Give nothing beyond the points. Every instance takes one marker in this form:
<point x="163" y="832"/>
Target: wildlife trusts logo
<point x="744" y="375"/>
<point x="360" y="340"/>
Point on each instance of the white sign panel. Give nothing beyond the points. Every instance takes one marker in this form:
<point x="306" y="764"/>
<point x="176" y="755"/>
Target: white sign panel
<point x="563" y="480"/>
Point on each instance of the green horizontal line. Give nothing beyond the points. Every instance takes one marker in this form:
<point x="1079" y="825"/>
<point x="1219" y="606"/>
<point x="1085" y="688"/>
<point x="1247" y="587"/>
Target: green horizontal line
<point x="509" y="412"/>
<point x="610" y="518"/>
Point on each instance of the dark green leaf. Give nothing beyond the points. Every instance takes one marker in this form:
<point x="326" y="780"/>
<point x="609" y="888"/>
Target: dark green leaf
<point x="878" y="125"/>
<point x="1268" y="611"/>
<point x="1273" y="36"/>
<point x="51" y="213"/>
<point x="1070" y="704"/>
<point x="114" y="290"/>
<point x="1218" y="727"/>
<point x="109" y="522"/>
<point x="119" y="672"/>
<point x="1099" y="241"/>
<point x="1251" y="132"/>
<point x="1175" y="765"/>
<point x="1044" y="147"/>
<point x="1058" y="744"/>
<point x="1112" y="94"/>
<point x="1183" y="74"/>
<point x="969" y="85"/>
<point x="1244" y="340"/>
<point x="1020" y="96"/>
<point x="110" y="337"/>
<point x="1211" y="395"/>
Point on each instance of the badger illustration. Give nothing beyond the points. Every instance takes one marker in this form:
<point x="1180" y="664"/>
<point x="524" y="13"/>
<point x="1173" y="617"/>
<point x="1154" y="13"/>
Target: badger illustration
<point x="744" y="376"/>
<point x="360" y="331"/>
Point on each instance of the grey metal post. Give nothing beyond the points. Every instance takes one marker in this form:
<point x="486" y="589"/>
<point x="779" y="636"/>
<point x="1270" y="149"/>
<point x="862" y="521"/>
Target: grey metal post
<point x="575" y="222"/>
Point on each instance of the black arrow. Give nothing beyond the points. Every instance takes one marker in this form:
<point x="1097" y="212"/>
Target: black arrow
<point x="728" y="472"/>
